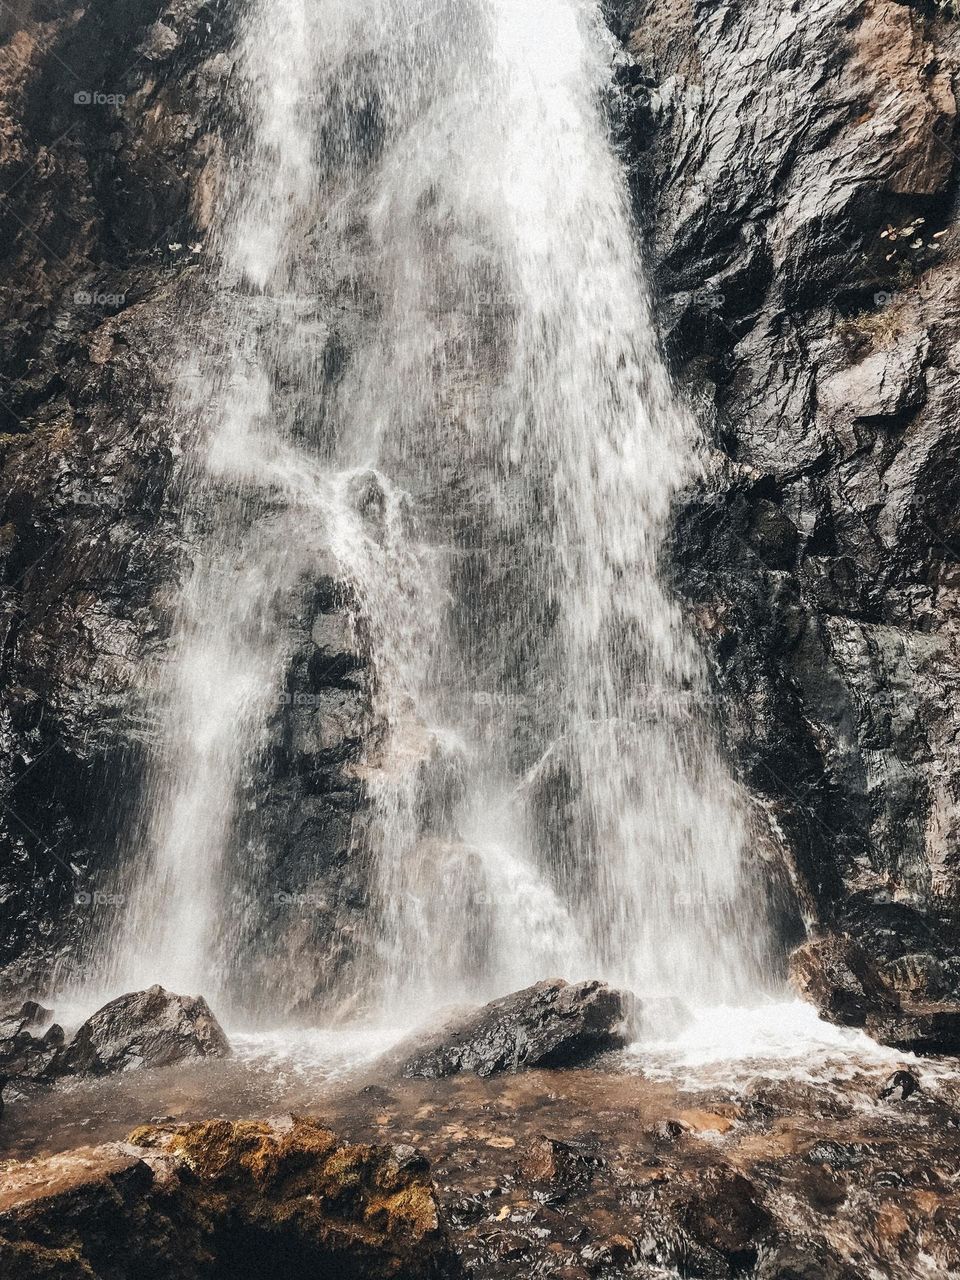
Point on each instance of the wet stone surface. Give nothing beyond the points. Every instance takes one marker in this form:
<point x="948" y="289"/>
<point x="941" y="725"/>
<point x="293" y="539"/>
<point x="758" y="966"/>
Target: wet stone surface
<point x="590" y="1172"/>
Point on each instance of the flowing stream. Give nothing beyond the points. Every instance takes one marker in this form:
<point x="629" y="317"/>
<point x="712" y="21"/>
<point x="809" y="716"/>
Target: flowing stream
<point x="489" y="465"/>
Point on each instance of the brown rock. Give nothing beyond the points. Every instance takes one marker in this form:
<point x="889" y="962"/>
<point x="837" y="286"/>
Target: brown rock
<point x="726" y="1215"/>
<point x="246" y="1198"/>
<point x="553" y="1162"/>
<point x="836" y="974"/>
<point x="929" y="1027"/>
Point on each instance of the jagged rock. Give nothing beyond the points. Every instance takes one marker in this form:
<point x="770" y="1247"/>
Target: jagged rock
<point x="29" y="1014"/>
<point x="921" y="976"/>
<point x="710" y="1222"/>
<point x="919" y="1028"/>
<point x="551" y="1024"/>
<point x="727" y="1214"/>
<point x="105" y="225"/>
<point x="837" y="975"/>
<point x="215" y="1200"/>
<point x="152" y="1028"/>
<point x="903" y="1081"/>
<point x="793" y="172"/>
<point x="24" y="1056"/>
<point x="555" y="1163"/>
<point x="30" y="1057"/>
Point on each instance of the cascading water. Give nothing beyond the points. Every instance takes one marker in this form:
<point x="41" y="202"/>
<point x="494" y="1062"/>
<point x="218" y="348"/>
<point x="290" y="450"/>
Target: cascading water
<point x="492" y="472"/>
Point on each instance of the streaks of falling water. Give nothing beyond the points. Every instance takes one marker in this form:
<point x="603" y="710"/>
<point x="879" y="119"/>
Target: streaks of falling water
<point x="493" y="473"/>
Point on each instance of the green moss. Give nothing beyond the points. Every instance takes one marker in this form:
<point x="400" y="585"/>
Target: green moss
<point x="20" y="1261"/>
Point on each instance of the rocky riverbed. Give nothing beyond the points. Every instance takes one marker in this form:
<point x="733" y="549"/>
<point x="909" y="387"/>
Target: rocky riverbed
<point x="791" y="1149"/>
<point x="836" y="1172"/>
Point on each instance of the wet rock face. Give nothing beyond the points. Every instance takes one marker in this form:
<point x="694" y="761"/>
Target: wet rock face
<point x="104" y="151"/>
<point x="24" y="1053"/>
<point x="112" y="117"/>
<point x="240" y="1200"/>
<point x="795" y="170"/>
<point x="838" y="975"/>
<point x="151" y="1028"/>
<point x="551" y="1024"/>
<point x="795" y="175"/>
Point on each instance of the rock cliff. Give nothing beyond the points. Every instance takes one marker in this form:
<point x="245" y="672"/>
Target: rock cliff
<point x="112" y="115"/>
<point x="794" y="174"/>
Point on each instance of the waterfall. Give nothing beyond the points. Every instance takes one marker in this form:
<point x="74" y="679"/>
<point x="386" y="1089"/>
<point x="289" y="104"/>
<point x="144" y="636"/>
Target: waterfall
<point x="491" y="474"/>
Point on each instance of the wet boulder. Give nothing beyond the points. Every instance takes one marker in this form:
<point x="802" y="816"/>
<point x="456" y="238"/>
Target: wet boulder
<point x="920" y="1028"/>
<point x="837" y="975"/>
<point x="551" y="1163"/>
<point x="551" y="1024"/>
<point x="902" y="1082"/>
<point x="706" y="1221"/>
<point x="25" y="1055"/>
<point x="152" y="1028"/>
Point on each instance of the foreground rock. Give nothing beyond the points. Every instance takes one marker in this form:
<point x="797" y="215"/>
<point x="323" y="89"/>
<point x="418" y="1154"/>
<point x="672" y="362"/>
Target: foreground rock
<point x="551" y="1024"/>
<point x="722" y="1174"/>
<point x="152" y="1028"/>
<point x="836" y="974"/>
<point x="218" y="1199"/>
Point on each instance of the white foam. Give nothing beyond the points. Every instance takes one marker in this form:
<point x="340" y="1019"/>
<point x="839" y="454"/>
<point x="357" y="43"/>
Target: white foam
<point x="775" y="1038"/>
<point x="330" y="1054"/>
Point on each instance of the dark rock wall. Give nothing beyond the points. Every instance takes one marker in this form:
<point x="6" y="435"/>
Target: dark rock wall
<point x="105" y="159"/>
<point x="113" y="120"/>
<point x="795" y="172"/>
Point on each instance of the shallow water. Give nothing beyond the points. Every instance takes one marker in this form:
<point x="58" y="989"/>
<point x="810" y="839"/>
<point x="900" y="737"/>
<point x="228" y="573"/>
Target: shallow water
<point x="311" y="1070"/>
<point x="832" y="1163"/>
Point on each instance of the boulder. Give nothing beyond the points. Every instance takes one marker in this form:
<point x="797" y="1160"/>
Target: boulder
<point x="23" y="1055"/>
<point x="152" y="1028"/>
<point x="551" y="1024"/>
<point x="836" y="974"/>
<point x="903" y="1081"/>
<point x="205" y="1201"/>
<point x="919" y="1028"/>
<point x="29" y="1014"/>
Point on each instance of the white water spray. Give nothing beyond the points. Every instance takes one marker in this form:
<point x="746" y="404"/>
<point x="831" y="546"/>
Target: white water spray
<point x="493" y="473"/>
